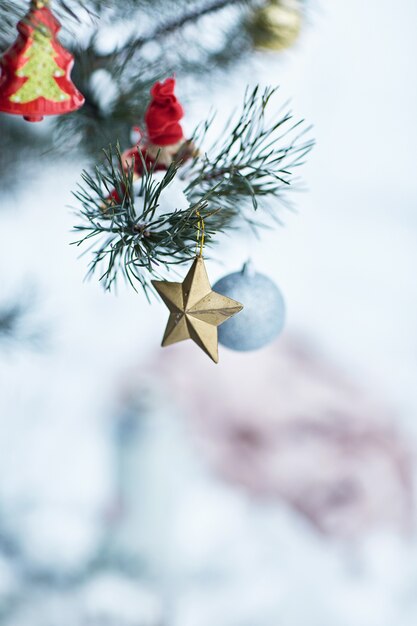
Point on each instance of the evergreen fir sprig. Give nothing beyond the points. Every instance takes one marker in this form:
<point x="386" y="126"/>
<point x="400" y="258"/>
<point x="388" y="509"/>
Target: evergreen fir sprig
<point x="248" y="170"/>
<point x="252" y="159"/>
<point x="134" y="243"/>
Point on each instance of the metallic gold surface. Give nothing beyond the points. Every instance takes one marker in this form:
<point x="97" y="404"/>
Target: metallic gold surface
<point x="195" y="310"/>
<point x="277" y="25"/>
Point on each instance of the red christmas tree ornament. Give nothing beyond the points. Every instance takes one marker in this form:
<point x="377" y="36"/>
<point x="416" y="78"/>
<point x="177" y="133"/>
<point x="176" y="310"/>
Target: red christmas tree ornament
<point x="164" y="140"/>
<point x="35" y="71"/>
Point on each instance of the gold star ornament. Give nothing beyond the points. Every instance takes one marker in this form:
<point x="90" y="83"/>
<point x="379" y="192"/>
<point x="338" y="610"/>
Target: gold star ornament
<point x="195" y="310"/>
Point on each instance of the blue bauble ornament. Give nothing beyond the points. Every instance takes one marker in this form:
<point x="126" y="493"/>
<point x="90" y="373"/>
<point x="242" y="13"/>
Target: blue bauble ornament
<point x="262" y="318"/>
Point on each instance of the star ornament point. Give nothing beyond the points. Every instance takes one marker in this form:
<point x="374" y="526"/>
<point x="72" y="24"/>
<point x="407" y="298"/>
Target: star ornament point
<point x="195" y="309"/>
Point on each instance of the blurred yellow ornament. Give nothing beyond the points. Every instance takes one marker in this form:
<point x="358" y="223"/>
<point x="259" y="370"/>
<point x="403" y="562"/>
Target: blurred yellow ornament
<point x="277" y="25"/>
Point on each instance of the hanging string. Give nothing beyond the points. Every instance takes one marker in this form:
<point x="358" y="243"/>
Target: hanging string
<point x="39" y="4"/>
<point x="201" y="234"/>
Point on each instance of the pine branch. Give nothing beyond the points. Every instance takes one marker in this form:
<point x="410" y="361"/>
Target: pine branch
<point x="129" y="79"/>
<point x="176" y="24"/>
<point x="136" y="245"/>
<point x="252" y="161"/>
<point x="17" y="323"/>
<point x="250" y="168"/>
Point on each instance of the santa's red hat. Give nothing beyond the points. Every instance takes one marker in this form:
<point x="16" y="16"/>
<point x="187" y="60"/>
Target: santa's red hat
<point x="163" y="115"/>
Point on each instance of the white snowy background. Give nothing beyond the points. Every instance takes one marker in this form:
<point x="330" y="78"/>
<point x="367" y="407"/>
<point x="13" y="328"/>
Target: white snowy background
<point x="204" y="552"/>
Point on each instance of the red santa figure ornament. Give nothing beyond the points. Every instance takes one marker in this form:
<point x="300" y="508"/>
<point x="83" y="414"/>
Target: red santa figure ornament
<point x="164" y="139"/>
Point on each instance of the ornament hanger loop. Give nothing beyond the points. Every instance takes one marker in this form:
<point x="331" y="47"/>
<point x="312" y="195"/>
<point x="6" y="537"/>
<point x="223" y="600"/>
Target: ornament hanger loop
<point x="39" y="4"/>
<point x="201" y="235"/>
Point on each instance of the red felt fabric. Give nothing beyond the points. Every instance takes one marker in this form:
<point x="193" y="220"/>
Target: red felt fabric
<point x="163" y="115"/>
